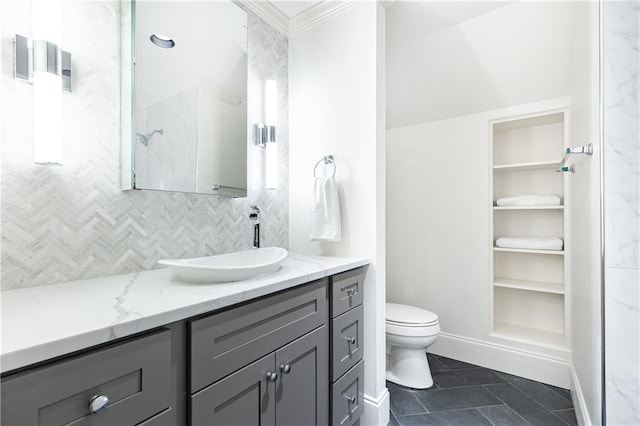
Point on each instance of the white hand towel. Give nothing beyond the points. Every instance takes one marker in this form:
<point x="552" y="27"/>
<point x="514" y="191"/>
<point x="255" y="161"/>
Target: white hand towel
<point x="530" y="243"/>
<point x="529" y="200"/>
<point x="325" y="210"/>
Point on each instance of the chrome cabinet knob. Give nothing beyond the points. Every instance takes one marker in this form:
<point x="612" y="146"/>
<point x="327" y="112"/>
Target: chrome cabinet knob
<point x="285" y="368"/>
<point x="350" y="339"/>
<point x="272" y="377"/>
<point x="351" y="291"/>
<point x="98" y="403"/>
<point x="351" y="399"/>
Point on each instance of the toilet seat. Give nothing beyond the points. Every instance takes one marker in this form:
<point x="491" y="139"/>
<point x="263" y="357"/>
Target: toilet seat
<point x="409" y="316"/>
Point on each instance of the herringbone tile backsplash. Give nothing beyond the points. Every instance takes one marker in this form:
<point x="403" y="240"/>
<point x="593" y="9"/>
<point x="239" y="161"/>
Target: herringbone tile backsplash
<point x="73" y="222"/>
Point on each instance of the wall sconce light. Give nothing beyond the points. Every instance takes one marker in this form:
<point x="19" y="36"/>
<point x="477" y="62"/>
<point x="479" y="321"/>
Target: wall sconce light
<point x="48" y="68"/>
<point x="265" y="134"/>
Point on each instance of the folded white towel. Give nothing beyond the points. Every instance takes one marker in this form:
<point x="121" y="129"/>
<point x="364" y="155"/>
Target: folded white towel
<point x="529" y="200"/>
<point x="325" y="210"/>
<point x="530" y="243"/>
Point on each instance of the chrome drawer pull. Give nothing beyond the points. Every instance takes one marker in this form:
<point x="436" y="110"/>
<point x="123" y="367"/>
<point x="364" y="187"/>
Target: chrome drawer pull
<point x="285" y="368"/>
<point x="351" y="340"/>
<point x="272" y="377"/>
<point x="351" y="399"/>
<point x="351" y="291"/>
<point x="98" y="403"/>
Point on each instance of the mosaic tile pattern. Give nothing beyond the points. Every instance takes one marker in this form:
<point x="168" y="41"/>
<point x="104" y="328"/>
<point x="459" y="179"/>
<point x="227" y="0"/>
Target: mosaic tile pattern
<point x="73" y="222"/>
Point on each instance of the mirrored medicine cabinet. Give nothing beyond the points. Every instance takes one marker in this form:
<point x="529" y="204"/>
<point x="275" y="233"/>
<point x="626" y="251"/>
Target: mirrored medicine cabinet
<point x="184" y="97"/>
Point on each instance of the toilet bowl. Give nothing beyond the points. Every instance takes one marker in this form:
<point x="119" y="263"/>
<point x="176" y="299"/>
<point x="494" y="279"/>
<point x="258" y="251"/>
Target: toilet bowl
<point x="410" y="331"/>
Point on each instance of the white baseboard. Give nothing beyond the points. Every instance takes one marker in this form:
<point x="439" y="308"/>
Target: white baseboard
<point x="532" y="366"/>
<point x="579" y="403"/>
<point x="376" y="410"/>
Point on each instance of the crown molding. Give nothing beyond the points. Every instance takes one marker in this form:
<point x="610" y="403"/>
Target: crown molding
<point x="303" y="21"/>
<point x="318" y="14"/>
<point x="270" y="14"/>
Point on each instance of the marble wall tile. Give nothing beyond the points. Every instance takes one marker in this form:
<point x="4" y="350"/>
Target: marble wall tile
<point x="623" y="346"/>
<point x="73" y="222"/>
<point x="168" y="160"/>
<point x="622" y="186"/>
<point x="621" y="53"/>
<point x="621" y="20"/>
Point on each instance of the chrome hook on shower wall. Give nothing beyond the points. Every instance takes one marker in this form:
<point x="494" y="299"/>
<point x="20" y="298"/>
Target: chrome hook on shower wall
<point x="584" y="149"/>
<point x="144" y="138"/>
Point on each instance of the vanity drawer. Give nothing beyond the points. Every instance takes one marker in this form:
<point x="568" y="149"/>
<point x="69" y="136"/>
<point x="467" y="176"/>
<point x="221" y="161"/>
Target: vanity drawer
<point x="346" y="291"/>
<point x="347" y="394"/>
<point x="346" y="336"/>
<point x="135" y="376"/>
<point x="224" y="342"/>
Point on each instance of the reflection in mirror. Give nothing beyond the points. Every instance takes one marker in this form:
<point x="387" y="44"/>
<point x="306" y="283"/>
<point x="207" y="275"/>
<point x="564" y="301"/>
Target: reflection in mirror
<point x="190" y="97"/>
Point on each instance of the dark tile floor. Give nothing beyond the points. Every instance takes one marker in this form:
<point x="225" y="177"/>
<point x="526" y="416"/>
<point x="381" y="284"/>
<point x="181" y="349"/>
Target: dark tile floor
<point x="465" y="394"/>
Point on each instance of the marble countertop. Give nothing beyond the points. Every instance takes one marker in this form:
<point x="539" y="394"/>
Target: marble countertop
<point x="39" y="323"/>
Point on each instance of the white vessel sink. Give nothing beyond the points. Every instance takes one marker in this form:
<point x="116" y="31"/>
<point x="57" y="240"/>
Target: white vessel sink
<point x="227" y="267"/>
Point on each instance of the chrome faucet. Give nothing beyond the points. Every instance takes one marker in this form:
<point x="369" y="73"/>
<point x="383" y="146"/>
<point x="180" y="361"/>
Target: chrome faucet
<point x="254" y="217"/>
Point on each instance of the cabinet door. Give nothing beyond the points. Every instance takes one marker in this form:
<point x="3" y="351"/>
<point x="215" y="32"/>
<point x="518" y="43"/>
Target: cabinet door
<point x="244" y="398"/>
<point x="302" y="389"/>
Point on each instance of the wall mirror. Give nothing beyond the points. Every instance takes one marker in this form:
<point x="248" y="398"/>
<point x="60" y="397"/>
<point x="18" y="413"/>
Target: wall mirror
<point x="188" y="107"/>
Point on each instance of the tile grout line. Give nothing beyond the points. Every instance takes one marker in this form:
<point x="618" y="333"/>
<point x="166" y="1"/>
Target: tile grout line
<point x="533" y="399"/>
<point x="421" y="404"/>
<point x="482" y="414"/>
<point x="559" y="418"/>
<point x="507" y="405"/>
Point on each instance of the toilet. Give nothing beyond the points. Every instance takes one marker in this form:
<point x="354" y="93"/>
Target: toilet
<point x="410" y="331"/>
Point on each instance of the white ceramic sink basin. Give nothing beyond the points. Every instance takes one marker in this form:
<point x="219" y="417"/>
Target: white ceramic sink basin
<point x="227" y="267"/>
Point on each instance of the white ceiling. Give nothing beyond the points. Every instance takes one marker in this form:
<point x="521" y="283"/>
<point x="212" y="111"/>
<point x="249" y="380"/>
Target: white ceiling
<point x="446" y="59"/>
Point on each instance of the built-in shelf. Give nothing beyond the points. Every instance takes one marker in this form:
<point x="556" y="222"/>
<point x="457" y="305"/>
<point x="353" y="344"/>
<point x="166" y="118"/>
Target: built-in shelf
<point x="528" y="285"/>
<point x="524" y="334"/>
<point x="515" y="250"/>
<point x="528" y="207"/>
<point x="537" y="165"/>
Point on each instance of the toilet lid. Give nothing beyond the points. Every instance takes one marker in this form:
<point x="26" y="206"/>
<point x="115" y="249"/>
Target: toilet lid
<point x="409" y="315"/>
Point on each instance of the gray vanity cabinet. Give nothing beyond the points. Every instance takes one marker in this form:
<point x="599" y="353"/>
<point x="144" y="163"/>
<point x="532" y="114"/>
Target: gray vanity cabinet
<point x="134" y="375"/>
<point x="287" y="387"/>
<point x="264" y="362"/>
<point x="347" y="363"/>
<point x="245" y="397"/>
<point x="302" y="388"/>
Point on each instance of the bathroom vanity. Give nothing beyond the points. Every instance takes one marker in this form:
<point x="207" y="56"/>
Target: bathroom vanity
<point x="283" y="348"/>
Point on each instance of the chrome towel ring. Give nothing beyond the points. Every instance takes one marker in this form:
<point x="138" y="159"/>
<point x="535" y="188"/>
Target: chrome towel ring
<point x="327" y="159"/>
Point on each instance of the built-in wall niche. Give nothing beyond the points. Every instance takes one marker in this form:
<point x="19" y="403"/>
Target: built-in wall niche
<point x="529" y="285"/>
<point x="534" y="223"/>
<point x="529" y="316"/>
<point x="530" y="271"/>
<point x="532" y="178"/>
<point x="528" y="140"/>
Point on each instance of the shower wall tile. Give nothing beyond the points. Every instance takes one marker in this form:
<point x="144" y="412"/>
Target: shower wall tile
<point x="622" y="186"/>
<point x="621" y="54"/>
<point x="169" y="159"/>
<point x="73" y="222"/>
<point x="623" y="346"/>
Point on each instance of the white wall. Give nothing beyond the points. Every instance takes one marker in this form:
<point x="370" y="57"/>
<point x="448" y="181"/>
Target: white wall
<point x="438" y="236"/>
<point x="585" y="292"/>
<point x="336" y="79"/>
